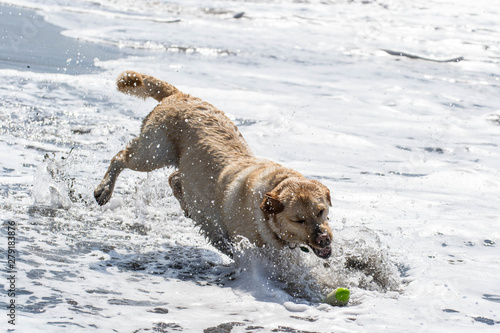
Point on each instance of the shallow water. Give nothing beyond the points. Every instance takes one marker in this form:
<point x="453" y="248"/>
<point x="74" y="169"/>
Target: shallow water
<point x="409" y="148"/>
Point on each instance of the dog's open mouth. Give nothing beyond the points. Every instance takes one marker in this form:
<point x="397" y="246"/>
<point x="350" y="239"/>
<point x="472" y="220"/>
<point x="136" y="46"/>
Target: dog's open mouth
<point x="323" y="253"/>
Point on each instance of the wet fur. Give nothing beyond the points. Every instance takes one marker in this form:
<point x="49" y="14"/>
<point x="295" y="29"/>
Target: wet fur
<point x="218" y="181"/>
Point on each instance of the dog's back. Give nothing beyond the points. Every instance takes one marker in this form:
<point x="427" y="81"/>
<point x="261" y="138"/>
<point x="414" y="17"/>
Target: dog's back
<point x="194" y="126"/>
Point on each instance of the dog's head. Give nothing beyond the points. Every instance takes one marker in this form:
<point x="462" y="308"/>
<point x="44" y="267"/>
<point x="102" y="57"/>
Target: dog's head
<point x="297" y="212"/>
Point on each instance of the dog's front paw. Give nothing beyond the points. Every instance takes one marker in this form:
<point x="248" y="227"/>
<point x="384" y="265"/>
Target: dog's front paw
<point x="103" y="193"/>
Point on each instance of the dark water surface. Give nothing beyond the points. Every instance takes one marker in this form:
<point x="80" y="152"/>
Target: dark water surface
<point x="31" y="43"/>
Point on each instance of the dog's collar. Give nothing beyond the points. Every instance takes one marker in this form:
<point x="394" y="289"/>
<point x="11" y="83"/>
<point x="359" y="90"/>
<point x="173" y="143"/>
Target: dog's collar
<point x="303" y="248"/>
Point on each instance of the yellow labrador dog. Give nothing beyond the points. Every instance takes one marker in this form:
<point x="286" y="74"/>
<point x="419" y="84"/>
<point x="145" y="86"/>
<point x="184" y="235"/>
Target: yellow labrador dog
<point x="218" y="181"/>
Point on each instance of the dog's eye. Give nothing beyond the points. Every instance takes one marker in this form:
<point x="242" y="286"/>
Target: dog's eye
<point x="321" y="213"/>
<point x="300" y="221"/>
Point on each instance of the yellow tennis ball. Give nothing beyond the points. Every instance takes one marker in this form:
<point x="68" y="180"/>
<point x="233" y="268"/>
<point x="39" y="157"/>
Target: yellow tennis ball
<point x="338" y="297"/>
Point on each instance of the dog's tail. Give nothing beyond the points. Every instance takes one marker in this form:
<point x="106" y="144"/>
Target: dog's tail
<point x="144" y="86"/>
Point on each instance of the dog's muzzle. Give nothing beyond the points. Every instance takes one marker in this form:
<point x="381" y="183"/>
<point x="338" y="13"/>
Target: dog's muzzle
<point x="323" y="249"/>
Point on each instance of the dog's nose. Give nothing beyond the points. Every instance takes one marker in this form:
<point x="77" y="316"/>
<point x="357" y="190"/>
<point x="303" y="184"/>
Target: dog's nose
<point x="323" y="240"/>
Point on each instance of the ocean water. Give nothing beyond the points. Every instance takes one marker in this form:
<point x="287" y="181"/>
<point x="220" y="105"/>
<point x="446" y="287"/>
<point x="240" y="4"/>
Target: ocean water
<point x="393" y="105"/>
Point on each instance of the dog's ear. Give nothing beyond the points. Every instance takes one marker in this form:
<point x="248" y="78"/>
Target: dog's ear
<point x="327" y="191"/>
<point x="271" y="204"/>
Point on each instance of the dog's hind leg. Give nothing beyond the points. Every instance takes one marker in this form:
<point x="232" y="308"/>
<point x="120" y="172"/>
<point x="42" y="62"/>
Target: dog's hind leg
<point x="150" y="151"/>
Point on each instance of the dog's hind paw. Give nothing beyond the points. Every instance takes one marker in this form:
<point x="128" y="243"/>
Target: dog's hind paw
<point x="102" y="194"/>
